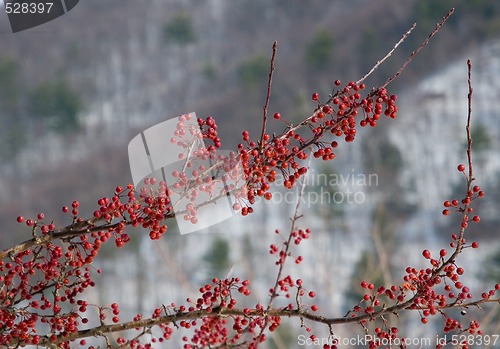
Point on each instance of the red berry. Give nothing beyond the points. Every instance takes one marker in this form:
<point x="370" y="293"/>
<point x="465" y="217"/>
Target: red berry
<point x="312" y="294"/>
<point x="476" y="219"/>
<point x="461" y="168"/>
<point x="426" y="254"/>
<point x="277" y="116"/>
<point x="20" y="219"/>
<point x="475" y="245"/>
<point x="315" y="96"/>
<point x="337" y="82"/>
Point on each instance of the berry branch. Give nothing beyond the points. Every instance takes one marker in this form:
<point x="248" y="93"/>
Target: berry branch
<point x="44" y="278"/>
<point x="87" y="226"/>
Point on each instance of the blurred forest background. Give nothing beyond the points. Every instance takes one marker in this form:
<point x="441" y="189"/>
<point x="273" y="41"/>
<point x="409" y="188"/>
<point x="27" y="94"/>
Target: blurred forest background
<point x="74" y="92"/>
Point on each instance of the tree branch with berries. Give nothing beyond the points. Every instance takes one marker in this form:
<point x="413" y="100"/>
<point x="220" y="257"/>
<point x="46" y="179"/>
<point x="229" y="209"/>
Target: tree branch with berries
<point x="44" y="279"/>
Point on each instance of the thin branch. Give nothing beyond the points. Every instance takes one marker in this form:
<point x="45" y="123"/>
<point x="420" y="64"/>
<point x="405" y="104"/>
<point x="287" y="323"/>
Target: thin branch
<point x="470" y="178"/>
<point x="293" y="227"/>
<point x="268" y="96"/>
<point x="414" y="53"/>
<point x="286" y="252"/>
<point x="379" y="246"/>
<point x="403" y="38"/>
<point x="469" y="116"/>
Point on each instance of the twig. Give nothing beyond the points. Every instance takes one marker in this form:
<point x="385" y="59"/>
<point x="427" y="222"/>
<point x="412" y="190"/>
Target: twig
<point x="379" y="246"/>
<point x="414" y="53"/>
<point x="470" y="178"/>
<point x="268" y="96"/>
<point x="295" y="218"/>
<point x="403" y="38"/>
<point x="469" y="116"/>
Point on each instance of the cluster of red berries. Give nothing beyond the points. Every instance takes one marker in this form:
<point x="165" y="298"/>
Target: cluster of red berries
<point x="383" y="335"/>
<point x="464" y="209"/>
<point x="282" y="154"/>
<point x="263" y="161"/>
<point x="148" y="210"/>
<point x="64" y="267"/>
<point x="419" y="290"/>
<point x="215" y="330"/>
<point x="209" y="131"/>
<point x="283" y="252"/>
<point x="25" y="280"/>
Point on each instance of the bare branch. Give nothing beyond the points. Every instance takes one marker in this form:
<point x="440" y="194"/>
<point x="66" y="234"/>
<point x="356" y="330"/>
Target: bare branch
<point x="268" y="96"/>
<point x="403" y="38"/>
<point x="469" y="116"/>
<point x="414" y="53"/>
